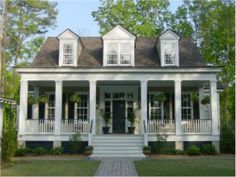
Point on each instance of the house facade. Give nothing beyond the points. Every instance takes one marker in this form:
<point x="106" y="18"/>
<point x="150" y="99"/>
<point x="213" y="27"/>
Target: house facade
<point x="161" y="82"/>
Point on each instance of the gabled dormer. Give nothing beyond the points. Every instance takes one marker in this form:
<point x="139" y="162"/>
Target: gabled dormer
<point x="118" y="47"/>
<point x="70" y="48"/>
<point x="168" y="48"/>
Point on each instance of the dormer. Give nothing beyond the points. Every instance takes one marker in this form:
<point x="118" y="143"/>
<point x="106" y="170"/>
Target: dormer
<point x="168" y="48"/>
<point x="118" y="47"/>
<point x="70" y="47"/>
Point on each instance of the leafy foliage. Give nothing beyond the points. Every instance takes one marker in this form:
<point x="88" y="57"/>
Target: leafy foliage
<point x="208" y="149"/>
<point x="75" y="142"/>
<point x="57" y="151"/>
<point x="193" y="150"/>
<point x="106" y="118"/>
<point x="40" y="151"/>
<point x="131" y="118"/>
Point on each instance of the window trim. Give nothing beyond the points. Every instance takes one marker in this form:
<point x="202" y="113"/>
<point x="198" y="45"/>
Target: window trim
<point x="76" y="106"/>
<point x="119" y="54"/>
<point x="176" y="50"/>
<point x="63" y="54"/>
<point x="46" y="107"/>
<point x="154" y="107"/>
<point x="191" y="105"/>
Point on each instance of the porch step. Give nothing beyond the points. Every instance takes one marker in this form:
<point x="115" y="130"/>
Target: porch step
<point x="118" y="146"/>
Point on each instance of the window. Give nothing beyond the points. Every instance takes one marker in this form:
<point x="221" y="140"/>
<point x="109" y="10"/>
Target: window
<point x="82" y="107"/>
<point x="169" y="53"/>
<point x="68" y="54"/>
<point x="119" y="54"/>
<point x="155" y="108"/>
<point x="186" y="106"/>
<point x="51" y="106"/>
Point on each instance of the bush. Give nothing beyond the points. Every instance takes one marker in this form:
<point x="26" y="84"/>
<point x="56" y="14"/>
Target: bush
<point x="208" y="149"/>
<point x="75" y="143"/>
<point x="147" y="148"/>
<point x="40" y="151"/>
<point x="177" y="152"/>
<point x="20" y="152"/>
<point x="57" y="151"/>
<point x="193" y="150"/>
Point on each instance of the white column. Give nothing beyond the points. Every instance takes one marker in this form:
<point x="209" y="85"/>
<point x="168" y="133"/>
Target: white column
<point x="92" y="104"/>
<point x="23" y="106"/>
<point x="178" y="107"/>
<point x="214" y="111"/>
<point x="35" y="106"/>
<point x="58" y="107"/>
<point x="144" y="104"/>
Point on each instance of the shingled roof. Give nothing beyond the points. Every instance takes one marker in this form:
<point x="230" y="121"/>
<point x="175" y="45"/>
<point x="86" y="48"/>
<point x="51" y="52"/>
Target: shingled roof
<point x="146" y="55"/>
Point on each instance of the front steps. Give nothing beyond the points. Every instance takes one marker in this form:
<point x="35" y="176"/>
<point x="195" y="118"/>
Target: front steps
<point x="118" y="146"/>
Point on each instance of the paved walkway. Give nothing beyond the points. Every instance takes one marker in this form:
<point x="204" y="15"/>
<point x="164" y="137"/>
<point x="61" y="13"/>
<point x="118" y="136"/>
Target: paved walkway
<point x="116" y="167"/>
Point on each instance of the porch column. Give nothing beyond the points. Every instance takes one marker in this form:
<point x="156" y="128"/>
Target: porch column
<point x="23" y="106"/>
<point x="92" y="104"/>
<point x="35" y="106"/>
<point x="144" y="104"/>
<point x="214" y="111"/>
<point x="178" y="107"/>
<point x="58" y="107"/>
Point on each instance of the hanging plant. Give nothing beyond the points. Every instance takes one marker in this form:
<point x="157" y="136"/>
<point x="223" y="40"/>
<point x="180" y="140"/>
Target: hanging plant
<point x="31" y="99"/>
<point x="194" y="96"/>
<point x="75" y="98"/>
<point x="43" y="99"/>
<point x="160" y="97"/>
<point x="205" y="100"/>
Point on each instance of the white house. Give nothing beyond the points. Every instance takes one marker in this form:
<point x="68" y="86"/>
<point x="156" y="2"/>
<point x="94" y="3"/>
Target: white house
<point x="162" y="80"/>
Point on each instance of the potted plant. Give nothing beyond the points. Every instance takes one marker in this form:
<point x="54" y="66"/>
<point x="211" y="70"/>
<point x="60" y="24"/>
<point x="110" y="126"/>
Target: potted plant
<point x="147" y="150"/>
<point x="75" y="98"/>
<point x="31" y="99"/>
<point x="161" y="97"/>
<point x="88" y="150"/>
<point x="43" y="99"/>
<point x="107" y="118"/>
<point x="194" y="96"/>
<point x="205" y="100"/>
<point x="131" y="118"/>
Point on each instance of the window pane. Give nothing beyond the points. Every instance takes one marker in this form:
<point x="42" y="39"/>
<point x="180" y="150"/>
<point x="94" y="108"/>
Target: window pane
<point x="112" y="59"/>
<point x="68" y="54"/>
<point x="169" y="53"/>
<point x="125" y="59"/>
<point x="112" y="48"/>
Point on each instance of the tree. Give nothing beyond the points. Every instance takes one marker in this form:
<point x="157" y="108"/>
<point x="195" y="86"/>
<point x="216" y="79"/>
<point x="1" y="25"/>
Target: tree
<point x="143" y="18"/>
<point x="26" y="22"/>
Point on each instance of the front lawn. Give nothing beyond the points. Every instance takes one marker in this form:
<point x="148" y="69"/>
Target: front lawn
<point x="187" y="166"/>
<point x="50" y="168"/>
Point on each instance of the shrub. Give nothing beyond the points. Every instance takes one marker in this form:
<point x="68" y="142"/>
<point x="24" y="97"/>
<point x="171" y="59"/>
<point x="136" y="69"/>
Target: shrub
<point x="208" y="149"/>
<point x="176" y="152"/>
<point x="57" y="151"/>
<point x="39" y="151"/>
<point x="147" y="150"/>
<point x="193" y="150"/>
<point x="75" y="142"/>
<point x="88" y="150"/>
<point x="20" y="152"/>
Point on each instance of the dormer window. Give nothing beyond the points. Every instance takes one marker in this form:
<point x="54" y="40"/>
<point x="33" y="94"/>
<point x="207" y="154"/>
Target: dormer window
<point x="118" y="47"/>
<point x="68" y="54"/>
<point x="169" y="54"/>
<point x="168" y="48"/>
<point x="118" y="54"/>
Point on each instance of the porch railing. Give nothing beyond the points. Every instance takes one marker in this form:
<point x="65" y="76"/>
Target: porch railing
<point x="39" y="126"/>
<point x="73" y="126"/>
<point x="196" y="126"/>
<point x="161" y="126"/>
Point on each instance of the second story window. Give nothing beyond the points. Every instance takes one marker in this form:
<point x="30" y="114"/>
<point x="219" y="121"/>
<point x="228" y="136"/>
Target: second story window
<point x="169" y="53"/>
<point x="68" y="54"/>
<point x="119" y="54"/>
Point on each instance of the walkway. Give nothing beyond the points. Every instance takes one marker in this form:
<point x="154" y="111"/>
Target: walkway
<point x="114" y="166"/>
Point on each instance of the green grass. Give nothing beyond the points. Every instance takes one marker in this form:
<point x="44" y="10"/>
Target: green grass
<point x="192" y="166"/>
<point x="50" y="168"/>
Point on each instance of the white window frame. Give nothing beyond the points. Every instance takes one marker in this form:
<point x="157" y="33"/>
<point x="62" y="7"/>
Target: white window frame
<point x="155" y="107"/>
<point x="76" y="107"/>
<point x="175" y="62"/>
<point x="71" y="55"/>
<point x="119" y="54"/>
<point x="191" y="105"/>
<point x="48" y="94"/>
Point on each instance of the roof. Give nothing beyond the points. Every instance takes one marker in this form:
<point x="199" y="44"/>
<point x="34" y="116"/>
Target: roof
<point x="146" y="55"/>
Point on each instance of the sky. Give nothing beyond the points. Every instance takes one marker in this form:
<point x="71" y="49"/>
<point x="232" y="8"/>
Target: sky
<point x="76" y="15"/>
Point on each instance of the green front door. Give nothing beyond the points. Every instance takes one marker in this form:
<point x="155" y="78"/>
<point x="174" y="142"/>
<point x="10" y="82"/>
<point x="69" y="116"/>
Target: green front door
<point x="118" y="121"/>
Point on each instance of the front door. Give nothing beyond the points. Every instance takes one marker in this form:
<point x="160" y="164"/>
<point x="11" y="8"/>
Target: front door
<point x="118" y="121"/>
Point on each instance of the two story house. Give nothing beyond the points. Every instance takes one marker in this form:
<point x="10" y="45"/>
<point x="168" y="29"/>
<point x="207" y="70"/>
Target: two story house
<point x="163" y="81"/>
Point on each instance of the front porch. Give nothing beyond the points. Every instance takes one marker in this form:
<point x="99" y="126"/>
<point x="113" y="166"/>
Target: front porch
<point x="178" y="114"/>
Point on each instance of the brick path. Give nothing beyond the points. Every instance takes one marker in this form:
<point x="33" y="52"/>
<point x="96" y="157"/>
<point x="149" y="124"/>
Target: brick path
<point x="116" y="167"/>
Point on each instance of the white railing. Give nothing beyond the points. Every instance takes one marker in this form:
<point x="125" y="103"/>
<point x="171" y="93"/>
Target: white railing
<point x="73" y="126"/>
<point x="39" y="126"/>
<point x="161" y="126"/>
<point x="196" y="126"/>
